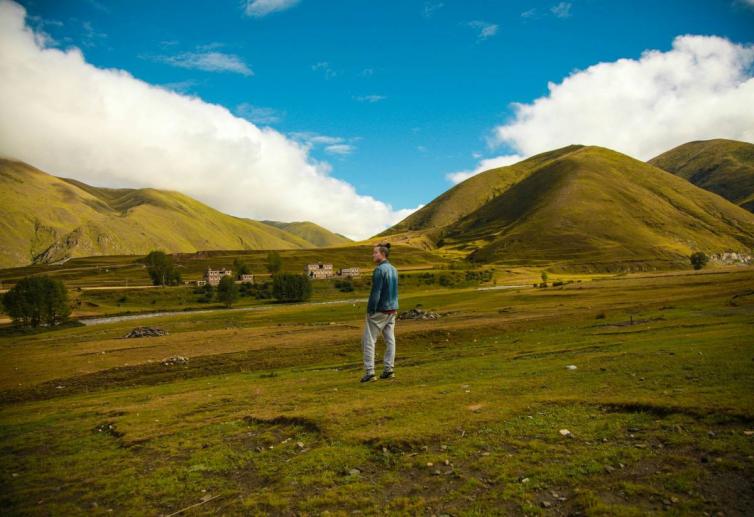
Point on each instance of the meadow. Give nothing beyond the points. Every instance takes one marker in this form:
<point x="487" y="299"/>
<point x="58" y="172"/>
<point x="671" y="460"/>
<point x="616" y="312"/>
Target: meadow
<point x="626" y="394"/>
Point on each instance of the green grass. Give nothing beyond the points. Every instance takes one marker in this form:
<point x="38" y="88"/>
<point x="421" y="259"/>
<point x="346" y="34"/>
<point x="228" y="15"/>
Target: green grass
<point x="657" y="410"/>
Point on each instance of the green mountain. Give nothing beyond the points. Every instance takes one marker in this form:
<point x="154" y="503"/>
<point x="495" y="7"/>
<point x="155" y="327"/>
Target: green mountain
<point x="579" y="207"/>
<point x="310" y="232"/>
<point x="725" y="167"/>
<point x="46" y="219"/>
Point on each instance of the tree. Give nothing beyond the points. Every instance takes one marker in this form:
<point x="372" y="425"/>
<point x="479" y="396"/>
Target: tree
<point x="698" y="259"/>
<point x="241" y="268"/>
<point x="37" y="300"/>
<point x="291" y="287"/>
<point x="161" y="269"/>
<point x="274" y="262"/>
<point x="227" y="291"/>
<point x="544" y="279"/>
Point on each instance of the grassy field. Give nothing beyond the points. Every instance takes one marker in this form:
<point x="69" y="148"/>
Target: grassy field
<point x="267" y="415"/>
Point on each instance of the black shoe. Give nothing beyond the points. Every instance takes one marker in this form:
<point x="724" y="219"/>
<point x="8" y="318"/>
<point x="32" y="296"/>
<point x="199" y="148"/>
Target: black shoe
<point x="368" y="377"/>
<point x="387" y="374"/>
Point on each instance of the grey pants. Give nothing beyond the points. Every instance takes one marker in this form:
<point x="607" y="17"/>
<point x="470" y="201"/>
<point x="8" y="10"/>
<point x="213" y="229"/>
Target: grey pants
<point x="374" y="325"/>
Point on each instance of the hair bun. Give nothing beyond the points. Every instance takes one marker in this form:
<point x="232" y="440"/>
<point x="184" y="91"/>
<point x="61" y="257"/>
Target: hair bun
<point x="387" y="244"/>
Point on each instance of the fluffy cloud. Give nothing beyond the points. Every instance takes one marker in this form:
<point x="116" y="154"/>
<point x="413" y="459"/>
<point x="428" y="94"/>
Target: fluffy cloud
<point x="702" y="88"/>
<point x="260" y="8"/>
<point x="107" y="128"/>
<point x="484" y="165"/>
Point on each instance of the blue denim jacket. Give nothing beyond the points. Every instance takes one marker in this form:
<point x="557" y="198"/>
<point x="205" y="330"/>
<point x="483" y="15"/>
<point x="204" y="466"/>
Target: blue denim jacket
<point x="384" y="295"/>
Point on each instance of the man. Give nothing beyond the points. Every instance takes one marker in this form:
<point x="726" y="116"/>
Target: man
<point x="381" y="309"/>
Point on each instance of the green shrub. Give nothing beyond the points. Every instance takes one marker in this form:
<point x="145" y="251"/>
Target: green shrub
<point x="161" y="269"/>
<point x="344" y="286"/>
<point x="698" y="259"/>
<point x="291" y="287"/>
<point x="37" y="300"/>
<point x="227" y="291"/>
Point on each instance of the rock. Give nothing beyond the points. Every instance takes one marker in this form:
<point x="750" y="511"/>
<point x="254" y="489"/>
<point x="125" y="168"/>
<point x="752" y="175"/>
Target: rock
<point x="146" y="332"/>
<point x="749" y="433"/>
<point x="565" y="432"/>
<point x="571" y="367"/>
<point x="354" y="472"/>
<point x="609" y="468"/>
<point x="172" y="361"/>
<point x="300" y="445"/>
<point x="418" y="314"/>
<point x="525" y="480"/>
<point x="546" y="504"/>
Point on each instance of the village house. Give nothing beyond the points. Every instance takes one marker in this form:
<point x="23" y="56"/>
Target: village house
<point x="213" y="276"/>
<point x="319" y="271"/>
<point x="349" y="272"/>
<point x="247" y="278"/>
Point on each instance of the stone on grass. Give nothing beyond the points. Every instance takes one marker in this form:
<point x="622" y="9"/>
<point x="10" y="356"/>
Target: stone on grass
<point x="146" y="332"/>
<point x="565" y="432"/>
<point x="571" y="367"/>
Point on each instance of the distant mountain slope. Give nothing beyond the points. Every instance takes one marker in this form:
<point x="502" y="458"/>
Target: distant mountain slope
<point x="584" y="207"/>
<point x="320" y="237"/>
<point x="48" y="219"/>
<point x="725" y="167"/>
<point x="472" y="194"/>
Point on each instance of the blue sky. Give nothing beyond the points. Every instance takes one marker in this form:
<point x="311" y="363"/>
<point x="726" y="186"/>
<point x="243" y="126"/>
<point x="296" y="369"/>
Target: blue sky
<point x="401" y="93"/>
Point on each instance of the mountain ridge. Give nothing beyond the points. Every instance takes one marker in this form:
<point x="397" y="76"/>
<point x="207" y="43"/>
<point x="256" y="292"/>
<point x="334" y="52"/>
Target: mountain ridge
<point x="48" y="219"/>
<point x="585" y="207"/>
<point x="722" y="166"/>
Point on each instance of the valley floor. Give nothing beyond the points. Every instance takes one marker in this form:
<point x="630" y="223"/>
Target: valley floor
<point x="267" y="415"/>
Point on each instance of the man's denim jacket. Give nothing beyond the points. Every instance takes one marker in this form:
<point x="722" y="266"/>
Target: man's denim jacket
<point x="384" y="295"/>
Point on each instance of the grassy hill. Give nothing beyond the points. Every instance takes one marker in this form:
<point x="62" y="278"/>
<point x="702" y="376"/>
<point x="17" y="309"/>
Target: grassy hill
<point x="310" y="232"/>
<point x="581" y="208"/>
<point x="46" y="219"/>
<point x="725" y="167"/>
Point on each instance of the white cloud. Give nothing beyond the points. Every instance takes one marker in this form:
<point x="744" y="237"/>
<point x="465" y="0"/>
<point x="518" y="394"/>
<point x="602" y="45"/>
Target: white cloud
<point x="330" y="144"/>
<point x="208" y="61"/>
<point x="484" y="30"/>
<point x="258" y="114"/>
<point x="260" y="8"/>
<point x="702" y="88"/>
<point x="105" y="127"/>
<point x="341" y="149"/>
<point x="561" y="10"/>
<point x="370" y="98"/>
<point x="325" y="68"/>
<point x="431" y="7"/>
<point x="484" y="165"/>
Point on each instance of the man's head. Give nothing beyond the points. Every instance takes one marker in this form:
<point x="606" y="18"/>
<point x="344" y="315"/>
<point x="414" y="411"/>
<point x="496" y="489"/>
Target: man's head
<point x="380" y="252"/>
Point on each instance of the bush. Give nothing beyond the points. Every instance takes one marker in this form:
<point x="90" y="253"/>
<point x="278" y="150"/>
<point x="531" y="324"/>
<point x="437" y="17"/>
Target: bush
<point x="698" y="259"/>
<point x="261" y="291"/>
<point x="161" y="269"/>
<point x="291" y="287"/>
<point x="37" y="300"/>
<point x="240" y="268"/>
<point x="227" y="291"/>
<point x="344" y="286"/>
<point x="274" y="262"/>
